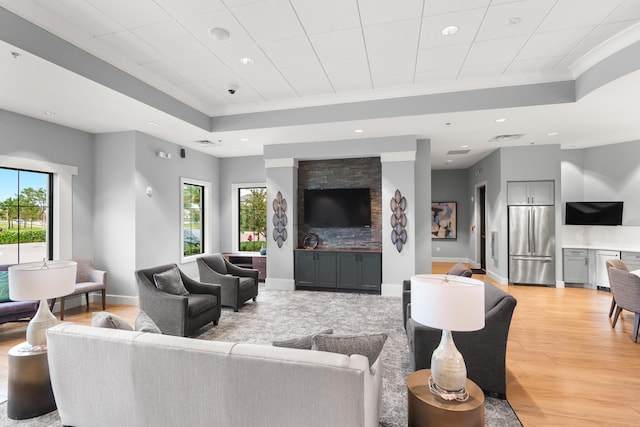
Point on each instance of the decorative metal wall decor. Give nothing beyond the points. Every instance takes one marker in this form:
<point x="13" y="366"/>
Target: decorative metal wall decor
<point x="398" y="220"/>
<point x="279" y="219"/>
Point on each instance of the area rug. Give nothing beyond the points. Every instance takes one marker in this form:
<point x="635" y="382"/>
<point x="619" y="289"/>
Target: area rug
<point x="282" y="314"/>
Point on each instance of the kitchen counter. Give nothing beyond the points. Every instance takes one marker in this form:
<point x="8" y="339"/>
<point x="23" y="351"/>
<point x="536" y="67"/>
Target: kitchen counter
<point x="604" y="247"/>
<point x="340" y="250"/>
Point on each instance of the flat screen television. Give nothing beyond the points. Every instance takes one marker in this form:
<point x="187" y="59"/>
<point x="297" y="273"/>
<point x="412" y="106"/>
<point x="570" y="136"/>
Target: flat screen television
<point x="337" y="207"/>
<point x="593" y="213"/>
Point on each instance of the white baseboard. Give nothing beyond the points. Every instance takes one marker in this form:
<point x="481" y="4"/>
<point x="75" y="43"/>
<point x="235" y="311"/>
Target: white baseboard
<point x="280" y="284"/>
<point x="445" y="259"/>
<point x="391" y="290"/>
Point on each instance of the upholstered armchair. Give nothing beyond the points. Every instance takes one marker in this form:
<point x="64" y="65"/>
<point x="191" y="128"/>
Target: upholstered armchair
<point x="626" y="290"/>
<point x="484" y="351"/>
<point x="238" y="284"/>
<point x="176" y="303"/>
<point x="88" y="279"/>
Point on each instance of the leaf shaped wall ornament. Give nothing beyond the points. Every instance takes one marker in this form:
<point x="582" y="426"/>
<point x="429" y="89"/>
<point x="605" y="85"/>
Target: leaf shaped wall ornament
<point x="279" y="220"/>
<point x="398" y="220"/>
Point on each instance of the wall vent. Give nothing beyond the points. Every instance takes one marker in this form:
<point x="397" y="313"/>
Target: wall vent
<point x="208" y="142"/>
<point x="457" y="152"/>
<point x="506" y="138"/>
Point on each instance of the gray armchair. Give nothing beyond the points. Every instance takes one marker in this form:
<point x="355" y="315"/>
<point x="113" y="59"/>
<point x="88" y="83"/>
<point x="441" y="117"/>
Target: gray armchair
<point x="178" y="314"/>
<point x="484" y="351"/>
<point x="238" y="284"/>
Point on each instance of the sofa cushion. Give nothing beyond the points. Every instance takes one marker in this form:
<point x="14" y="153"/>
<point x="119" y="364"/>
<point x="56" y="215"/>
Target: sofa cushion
<point x="200" y="303"/>
<point x="246" y="283"/>
<point x="103" y="319"/>
<point x="144" y="323"/>
<point x="170" y="282"/>
<point x="366" y="345"/>
<point x="4" y="286"/>
<point x="304" y="342"/>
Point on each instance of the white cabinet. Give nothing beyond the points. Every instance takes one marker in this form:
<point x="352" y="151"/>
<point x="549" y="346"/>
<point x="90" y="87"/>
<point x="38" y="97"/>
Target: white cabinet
<point x="602" y="276"/>
<point x="631" y="260"/>
<point x="531" y="193"/>
<point x="576" y="266"/>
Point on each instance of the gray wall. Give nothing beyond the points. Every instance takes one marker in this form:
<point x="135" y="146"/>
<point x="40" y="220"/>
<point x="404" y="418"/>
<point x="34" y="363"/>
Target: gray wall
<point x="28" y="138"/>
<point x="451" y="186"/>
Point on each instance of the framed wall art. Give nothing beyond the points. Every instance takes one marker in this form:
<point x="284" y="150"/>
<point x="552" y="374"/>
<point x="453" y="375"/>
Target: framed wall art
<point x="444" y="220"/>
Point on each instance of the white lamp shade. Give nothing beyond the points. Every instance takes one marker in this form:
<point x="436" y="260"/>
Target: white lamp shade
<point x="37" y="280"/>
<point x="447" y="302"/>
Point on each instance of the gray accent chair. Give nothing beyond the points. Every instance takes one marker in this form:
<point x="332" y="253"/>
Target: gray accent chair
<point x="620" y="265"/>
<point x="88" y="279"/>
<point x="238" y="284"/>
<point x="484" y="351"/>
<point x="457" y="270"/>
<point x="626" y="290"/>
<point x="16" y="311"/>
<point x="178" y="315"/>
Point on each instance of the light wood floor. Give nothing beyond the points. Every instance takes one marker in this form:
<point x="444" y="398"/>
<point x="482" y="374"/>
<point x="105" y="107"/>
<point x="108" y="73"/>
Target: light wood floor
<point x="566" y="366"/>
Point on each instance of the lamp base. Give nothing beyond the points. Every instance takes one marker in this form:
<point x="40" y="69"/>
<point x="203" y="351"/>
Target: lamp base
<point x="459" y="395"/>
<point x="38" y="325"/>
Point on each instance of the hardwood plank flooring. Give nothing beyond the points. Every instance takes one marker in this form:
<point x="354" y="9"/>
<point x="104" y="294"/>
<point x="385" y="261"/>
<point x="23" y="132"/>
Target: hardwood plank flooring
<point x="566" y="366"/>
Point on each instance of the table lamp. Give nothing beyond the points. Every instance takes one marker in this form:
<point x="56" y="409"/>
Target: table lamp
<point x="39" y="281"/>
<point x="450" y="303"/>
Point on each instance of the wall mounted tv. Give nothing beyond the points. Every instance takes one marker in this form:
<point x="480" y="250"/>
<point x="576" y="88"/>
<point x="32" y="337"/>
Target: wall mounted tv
<point x="337" y="207"/>
<point x="593" y="213"/>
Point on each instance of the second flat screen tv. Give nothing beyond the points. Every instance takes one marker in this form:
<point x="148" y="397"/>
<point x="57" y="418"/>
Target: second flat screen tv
<point x="337" y="207"/>
<point x="593" y="213"/>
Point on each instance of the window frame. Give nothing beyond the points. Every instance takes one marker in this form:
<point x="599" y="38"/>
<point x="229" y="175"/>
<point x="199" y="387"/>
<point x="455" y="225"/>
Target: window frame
<point x="235" y="209"/>
<point x="206" y="221"/>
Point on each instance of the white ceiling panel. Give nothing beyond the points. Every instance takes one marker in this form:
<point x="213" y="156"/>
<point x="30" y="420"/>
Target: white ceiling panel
<point x="395" y="69"/>
<point x="597" y="36"/>
<point x="392" y="37"/>
<point x="442" y="58"/>
<point x="168" y="71"/>
<point x="437" y="7"/>
<point x="566" y="62"/>
<point x="183" y="8"/>
<point x="132" y="14"/>
<point x="349" y="75"/>
<point x="572" y="14"/>
<point x="269" y="20"/>
<point x="541" y="65"/>
<point x="429" y="77"/>
<point x="514" y="19"/>
<point x="290" y="52"/>
<point x="555" y="43"/>
<point x="627" y="11"/>
<point x="381" y="11"/>
<point x="267" y="81"/>
<point x="327" y="15"/>
<point x="494" y="51"/>
<point x="339" y="45"/>
<point x="170" y="38"/>
<point x="83" y="15"/>
<point x="127" y="44"/>
<point x="235" y="3"/>
<point x="198" y="89"/>
<point x="308" y="80"/>
<point x="467" y="21"/>
<point x="204" y="66"/>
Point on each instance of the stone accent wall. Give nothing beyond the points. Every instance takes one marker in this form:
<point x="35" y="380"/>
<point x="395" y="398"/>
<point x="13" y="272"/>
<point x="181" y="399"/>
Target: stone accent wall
<point x="343" y="173"/>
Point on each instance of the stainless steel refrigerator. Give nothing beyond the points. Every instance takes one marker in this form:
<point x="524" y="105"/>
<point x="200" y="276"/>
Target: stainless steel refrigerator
<point x="532" y="245"/>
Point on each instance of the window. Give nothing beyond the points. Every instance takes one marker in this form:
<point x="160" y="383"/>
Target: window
<point x="194" y="201"/>
<point x="25" y="223"/>
<point x="252" y="218"/>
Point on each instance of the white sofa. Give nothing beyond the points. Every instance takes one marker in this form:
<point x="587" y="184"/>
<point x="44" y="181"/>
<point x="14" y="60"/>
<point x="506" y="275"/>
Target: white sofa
<point x="109" y="377"/>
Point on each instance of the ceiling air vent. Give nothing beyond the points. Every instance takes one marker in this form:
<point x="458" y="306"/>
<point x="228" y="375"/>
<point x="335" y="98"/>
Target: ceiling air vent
<point x="208" y="142"/>
<point x="506" y="138"/>
<point x="457" y="152"/>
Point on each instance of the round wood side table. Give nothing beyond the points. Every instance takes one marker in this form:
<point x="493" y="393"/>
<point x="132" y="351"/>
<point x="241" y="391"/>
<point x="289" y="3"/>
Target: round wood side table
<point x="427" y="409"/>
<point x="29" y="391"/>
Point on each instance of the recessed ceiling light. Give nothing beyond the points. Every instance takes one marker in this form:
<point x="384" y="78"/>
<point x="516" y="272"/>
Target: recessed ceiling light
<point x="152" y="124"/>
<point x="358" y="131"/>
<point x="502" y="120"/>
<point x="450" y="30"/>
<point x="217" y="33"/>
<point x="448" y="162"/>
<point x="464" y="146"/>
<point x="244" y="139"/>
<point x="552" y="133"/>
<point x="514" y="21"/>
<point x="246" y="61"/>
<point x="49" y="113"/>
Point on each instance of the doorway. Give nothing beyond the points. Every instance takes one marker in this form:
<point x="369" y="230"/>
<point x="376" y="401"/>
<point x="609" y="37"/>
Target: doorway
<point x="482" y="227"/>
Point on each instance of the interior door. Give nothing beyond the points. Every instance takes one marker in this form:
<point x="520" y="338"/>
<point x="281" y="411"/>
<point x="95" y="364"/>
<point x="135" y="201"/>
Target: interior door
<point x="483" y="227"/>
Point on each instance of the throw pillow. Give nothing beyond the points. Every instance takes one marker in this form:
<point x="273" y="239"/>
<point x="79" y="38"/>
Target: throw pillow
<point x="304" y="342"/>
<point x="144" y="323"/>
<point x="4" y="286"/>
<point x="103" y="319"/>
<point x="170" y="282"/>
<point x="366" y="345"/>
<point x="84" y="270"/>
